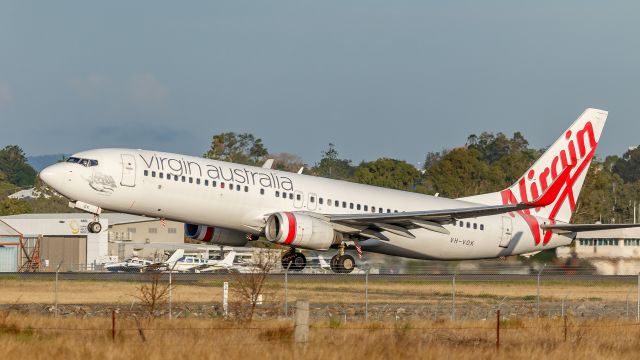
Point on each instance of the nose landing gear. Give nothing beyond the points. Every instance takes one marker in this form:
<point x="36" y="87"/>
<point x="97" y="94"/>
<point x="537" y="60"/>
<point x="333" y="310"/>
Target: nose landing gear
<point x="94" y="227"/>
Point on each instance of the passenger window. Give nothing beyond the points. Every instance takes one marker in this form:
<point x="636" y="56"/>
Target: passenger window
<point x="198" y="181"/>
<point x="175" y="177"/>
<point x="246" y="189"/>
<point x="336" y="203"/>
<point x="357" y="206"/>
<point x="290" y="196"/>
<point x="329" y="202"/>
<point x="153" y="174"/>
<point x="461" y="223"/>
<point x="344" y="204"/>
<point x="320" y="201"/>
<point x="475" y="226"/>
<point x="221" y="185"/>
<point x="380" y="210"/>
<point x="184" y="178"/>
<point x="373" y="209"/>
<point x="298" y="197"/>
<point x="190" y="180"/>
<point x="388" y="211"/>
<point x="350" y="205"/>
<point x="206" y="182"/>
<point x="214" y="184"/>
<point x="284" y="195"/>
<point x="160" y="175"/>
<point x="312" y="199"/>
<point x="261" y="191"/>
<point x="468" y="225"/>
<point x="481" y="227"/>
<point x="231" y="187"/>
<point x="146" y="173"/>
<point x="277" y="193"/>
<point x="366" y="208"/>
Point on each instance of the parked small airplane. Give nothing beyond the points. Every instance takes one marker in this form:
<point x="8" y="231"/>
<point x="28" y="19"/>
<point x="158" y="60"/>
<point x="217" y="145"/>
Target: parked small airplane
<point x="198" y="264"/>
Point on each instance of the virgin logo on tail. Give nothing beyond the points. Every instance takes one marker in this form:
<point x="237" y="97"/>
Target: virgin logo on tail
<point x="527" y="187"/>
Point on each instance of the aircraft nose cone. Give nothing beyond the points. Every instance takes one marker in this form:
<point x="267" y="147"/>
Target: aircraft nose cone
<point x="52" y="176"/>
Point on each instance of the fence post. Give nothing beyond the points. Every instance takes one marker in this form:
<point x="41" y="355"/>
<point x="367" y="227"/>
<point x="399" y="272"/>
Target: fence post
<point x="113" y="325"/>
<point x="366" y="294"/>
<point x="301" y="329"/>
<point x="538" y="291"/>
<point x="225" y="299"/>
<point x="286" y="290"/>
<point x="498" y="329"/>
<point x="56" y="291"/>
<point x="453" y="297"/>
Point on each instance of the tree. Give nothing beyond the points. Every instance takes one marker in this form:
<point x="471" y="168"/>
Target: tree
<point x="12" y="207"/>
<point x="331" y="166"/>
<point x="13" y="163"/>
<point x="390" y="173"/>
<point x="238" y="148"/>
<point x="628" y="167"/>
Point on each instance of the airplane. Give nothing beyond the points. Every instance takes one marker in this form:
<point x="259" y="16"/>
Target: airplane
<point x="198" y="264"/>
<point x="136" y="264"/>
<point x="230" y="204"/>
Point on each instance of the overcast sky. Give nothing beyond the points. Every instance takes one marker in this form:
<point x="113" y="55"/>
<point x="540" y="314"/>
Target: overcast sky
<point x="377" y="78"/>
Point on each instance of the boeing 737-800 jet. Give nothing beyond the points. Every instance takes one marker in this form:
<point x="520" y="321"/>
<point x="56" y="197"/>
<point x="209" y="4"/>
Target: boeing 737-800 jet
<point x="230" y="204"/>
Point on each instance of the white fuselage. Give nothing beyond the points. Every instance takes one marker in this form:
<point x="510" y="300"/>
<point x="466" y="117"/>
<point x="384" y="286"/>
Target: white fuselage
<point x="181" y="188"/>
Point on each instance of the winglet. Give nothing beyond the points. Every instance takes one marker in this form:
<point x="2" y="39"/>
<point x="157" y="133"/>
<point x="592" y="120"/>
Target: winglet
<point x="551" y="194"/>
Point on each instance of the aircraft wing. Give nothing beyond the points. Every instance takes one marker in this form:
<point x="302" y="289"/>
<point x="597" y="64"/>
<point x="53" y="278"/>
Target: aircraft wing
<point x="400" y="223"/>
<point x="564" y="228"/>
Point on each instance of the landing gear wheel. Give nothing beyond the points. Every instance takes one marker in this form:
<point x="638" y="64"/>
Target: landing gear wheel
<point x="343" y="264"/>
<point x="94" y="227"/>
<point x="295" y="261"/>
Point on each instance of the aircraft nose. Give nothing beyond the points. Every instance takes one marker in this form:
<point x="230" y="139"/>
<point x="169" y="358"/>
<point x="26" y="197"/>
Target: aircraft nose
<point x="52" y="176"/>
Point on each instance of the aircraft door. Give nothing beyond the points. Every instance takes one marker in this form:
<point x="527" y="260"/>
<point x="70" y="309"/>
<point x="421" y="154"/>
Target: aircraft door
<point x="298" y="199"/>
<point x="507" y="230"/>
<point x="311" y="203"/>
<point x="128" y="170"/>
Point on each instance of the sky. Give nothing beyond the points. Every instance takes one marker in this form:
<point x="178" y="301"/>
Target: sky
<point x="391" y="79"/>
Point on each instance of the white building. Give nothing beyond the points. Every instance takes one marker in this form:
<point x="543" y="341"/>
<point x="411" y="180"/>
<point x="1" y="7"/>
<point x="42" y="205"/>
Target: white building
<point x="52" y="239"/>
<point x="612" y="252"/>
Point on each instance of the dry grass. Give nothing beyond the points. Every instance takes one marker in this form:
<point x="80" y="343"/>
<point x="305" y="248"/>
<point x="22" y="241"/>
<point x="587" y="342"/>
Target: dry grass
<point x="36" y="337"/>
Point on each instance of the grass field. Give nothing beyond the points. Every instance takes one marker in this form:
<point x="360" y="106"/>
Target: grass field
<point x="327" y="292"/>
<point x="41" y="337"/>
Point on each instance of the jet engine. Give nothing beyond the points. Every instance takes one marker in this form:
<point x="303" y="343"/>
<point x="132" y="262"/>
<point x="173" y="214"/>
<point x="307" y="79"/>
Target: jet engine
<point x="215" y="235"/>
<point x="301" y="230"/>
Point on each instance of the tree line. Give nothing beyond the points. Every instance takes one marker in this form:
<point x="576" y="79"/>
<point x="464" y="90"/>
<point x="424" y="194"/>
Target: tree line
<point x="487" y="162"/>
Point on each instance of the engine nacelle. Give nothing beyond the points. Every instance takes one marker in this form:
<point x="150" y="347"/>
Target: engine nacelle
<point x="301" y="230"/>
<point x="215" y="235"/>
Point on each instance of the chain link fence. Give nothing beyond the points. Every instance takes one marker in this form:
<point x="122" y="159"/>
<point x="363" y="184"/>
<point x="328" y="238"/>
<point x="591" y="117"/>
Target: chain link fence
<point x="373" y="294"/>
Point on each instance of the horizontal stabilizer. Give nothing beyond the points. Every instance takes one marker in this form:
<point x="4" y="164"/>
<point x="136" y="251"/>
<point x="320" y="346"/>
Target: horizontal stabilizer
<point x="563" y="228"/>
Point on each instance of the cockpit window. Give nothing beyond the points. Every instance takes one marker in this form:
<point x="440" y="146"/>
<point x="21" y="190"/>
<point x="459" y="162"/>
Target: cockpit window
<point x="83" y="162"/>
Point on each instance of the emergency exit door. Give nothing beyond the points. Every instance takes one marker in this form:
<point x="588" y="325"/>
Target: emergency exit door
<point x="507" y="231"/>
<point x="128" y="170"/>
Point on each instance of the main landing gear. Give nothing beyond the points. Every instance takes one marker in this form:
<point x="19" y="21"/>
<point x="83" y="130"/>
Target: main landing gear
<point x="342" y="263"/>
<point x="293" y="260"/>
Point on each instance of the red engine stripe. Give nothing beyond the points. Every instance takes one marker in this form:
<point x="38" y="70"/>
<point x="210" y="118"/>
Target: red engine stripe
<point x="209" y="235"/>
<point x="292" y="228"/>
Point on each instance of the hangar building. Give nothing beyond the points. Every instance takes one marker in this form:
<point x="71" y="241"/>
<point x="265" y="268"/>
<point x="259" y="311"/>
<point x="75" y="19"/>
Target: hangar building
<point x="9" y="248"/>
